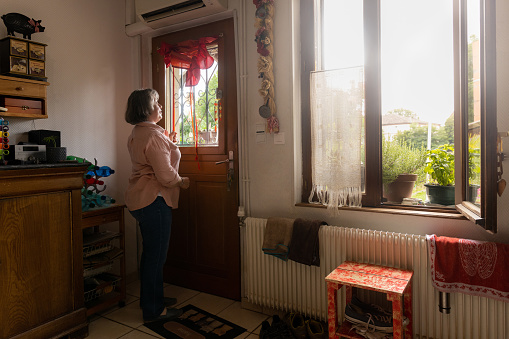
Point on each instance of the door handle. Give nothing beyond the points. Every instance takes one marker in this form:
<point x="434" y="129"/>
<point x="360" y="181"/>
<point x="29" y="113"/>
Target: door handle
<point x="229" y="160"/>
<point x="230" y="171"/>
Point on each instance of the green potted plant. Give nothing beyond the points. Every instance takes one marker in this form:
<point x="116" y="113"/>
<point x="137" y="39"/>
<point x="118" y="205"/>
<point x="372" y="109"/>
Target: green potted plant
<point x="440" y="167"/>
<point x="400" y="162"/>
<point x="54" y="154"/>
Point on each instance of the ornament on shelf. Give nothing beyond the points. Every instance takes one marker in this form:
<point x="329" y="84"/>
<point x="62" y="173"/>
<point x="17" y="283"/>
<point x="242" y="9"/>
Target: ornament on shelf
<point x="20" y="23"/>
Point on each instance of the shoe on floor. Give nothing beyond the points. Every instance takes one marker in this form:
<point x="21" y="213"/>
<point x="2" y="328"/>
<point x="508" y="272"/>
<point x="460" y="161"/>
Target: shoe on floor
<point x="297" y="325"/>
<point x="279" y="329"/>
<point x="316" y="330"/>
<point x="372" y="309"/>
<point x="265" y="330"/>
<point x="168" y="302"/>
<point x="170" y="314"/>
<point x="379" y="322"/>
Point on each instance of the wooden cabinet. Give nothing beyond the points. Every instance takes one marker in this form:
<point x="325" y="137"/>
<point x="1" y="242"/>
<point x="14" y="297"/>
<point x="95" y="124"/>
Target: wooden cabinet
<point x="41" y="280"/>
<point x="24" y="98"/>
<point x="104" y="261"/>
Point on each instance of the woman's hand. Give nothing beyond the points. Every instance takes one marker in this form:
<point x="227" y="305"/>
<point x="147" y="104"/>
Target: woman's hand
<point x="184" y="183"/>
<point x="172" y="136"/>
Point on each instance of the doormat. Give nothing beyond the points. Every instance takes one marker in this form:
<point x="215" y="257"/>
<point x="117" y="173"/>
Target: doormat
<point x="195" y="323"/>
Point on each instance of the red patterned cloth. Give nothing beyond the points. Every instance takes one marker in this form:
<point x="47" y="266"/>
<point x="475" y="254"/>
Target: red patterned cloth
<point x="469" y="266"/>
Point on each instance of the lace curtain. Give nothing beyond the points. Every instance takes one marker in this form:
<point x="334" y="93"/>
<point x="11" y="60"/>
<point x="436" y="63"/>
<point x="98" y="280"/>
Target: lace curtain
<point x="336" y="126"/>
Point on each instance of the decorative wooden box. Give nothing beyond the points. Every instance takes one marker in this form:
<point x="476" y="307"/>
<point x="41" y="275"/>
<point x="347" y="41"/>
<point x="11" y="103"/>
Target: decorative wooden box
<point x="20" y="105"/>
<point x="22" y="58"/>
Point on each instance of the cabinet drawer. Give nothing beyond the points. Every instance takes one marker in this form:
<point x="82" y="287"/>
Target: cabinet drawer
<point x="16" y="105"/>
<point x="22" y="88"/>
<point x="99" y="220"/>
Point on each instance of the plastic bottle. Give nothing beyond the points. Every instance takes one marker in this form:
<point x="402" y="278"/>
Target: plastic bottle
<point x="94" y="181"/>
<point x="104" y="171"/>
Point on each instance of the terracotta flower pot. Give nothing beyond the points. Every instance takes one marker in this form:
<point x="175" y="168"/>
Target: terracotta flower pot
<point x="400" y="188"/>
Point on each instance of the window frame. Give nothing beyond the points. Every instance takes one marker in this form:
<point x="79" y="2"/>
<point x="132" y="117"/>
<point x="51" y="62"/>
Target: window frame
<point x="486" y="214"/>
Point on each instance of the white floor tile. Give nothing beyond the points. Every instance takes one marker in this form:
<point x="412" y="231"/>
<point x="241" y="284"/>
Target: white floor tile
<point x="130" y="315"/>
<point x="181" y="293"/>
<point x="147" y="330"/>
<point x="248" y="319"/>
<point x="209" y="303"/>
<point x="102" y="328"/>
<point x="135" y="334"/>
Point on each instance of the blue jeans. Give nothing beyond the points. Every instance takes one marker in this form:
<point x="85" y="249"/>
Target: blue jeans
<point x="155" y="227"/>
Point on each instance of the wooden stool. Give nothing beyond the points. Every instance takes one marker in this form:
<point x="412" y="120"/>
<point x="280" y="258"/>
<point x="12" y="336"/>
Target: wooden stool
<point x="392" y="281"/>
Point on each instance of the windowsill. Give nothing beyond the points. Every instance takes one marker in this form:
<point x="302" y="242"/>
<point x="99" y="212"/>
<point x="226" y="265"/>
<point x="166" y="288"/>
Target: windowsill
<point x="403" y="210"/>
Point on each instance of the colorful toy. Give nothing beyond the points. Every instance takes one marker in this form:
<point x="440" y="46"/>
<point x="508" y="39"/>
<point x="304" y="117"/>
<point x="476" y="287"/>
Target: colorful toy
<point x="90" y="196"/>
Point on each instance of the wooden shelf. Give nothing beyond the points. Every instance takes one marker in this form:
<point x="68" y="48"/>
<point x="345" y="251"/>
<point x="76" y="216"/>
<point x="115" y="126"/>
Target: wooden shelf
<point x="95" y="218"/>
<point x="21" y="88"/>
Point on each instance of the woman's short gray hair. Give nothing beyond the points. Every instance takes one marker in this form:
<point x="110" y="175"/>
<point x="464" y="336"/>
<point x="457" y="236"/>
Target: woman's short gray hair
<point x="140" y="104"/>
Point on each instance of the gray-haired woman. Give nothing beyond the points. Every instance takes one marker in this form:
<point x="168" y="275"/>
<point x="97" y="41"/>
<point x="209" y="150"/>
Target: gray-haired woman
<point x="152" y="193"/>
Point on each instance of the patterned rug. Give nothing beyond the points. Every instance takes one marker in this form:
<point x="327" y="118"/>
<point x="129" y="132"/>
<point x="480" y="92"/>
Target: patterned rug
<point x="195" y="323"/>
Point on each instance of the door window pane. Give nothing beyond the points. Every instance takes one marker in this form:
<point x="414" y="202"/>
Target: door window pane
<point x="194" y="111"/>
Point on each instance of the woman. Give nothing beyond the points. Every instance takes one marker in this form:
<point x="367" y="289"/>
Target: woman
<point x="152" y="193"/>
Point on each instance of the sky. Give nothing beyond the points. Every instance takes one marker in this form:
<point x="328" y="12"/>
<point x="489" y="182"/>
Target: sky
<point x="416" y="52"/>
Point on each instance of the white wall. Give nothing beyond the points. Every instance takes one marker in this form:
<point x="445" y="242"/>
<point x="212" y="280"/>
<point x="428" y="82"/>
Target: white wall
<point x="90" y="70"/>
<point x="93" y="66"/>
<point x="274" y="172"/>
<point x="271" y="178"/>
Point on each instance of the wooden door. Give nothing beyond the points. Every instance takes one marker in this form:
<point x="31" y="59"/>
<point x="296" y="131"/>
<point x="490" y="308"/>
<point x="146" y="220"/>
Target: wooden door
<point x="204" y="249"/>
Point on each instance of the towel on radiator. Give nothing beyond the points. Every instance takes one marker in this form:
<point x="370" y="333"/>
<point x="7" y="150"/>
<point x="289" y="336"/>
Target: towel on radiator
<point x="304" y="247"/>
<point x="469" y="266"/>
<point x="277" y="236"/>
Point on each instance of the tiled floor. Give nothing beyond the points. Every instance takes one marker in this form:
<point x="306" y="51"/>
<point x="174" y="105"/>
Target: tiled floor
<point x="127" y="322"/>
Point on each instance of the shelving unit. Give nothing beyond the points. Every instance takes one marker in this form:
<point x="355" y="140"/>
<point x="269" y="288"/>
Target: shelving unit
<point x="102" y="249"/>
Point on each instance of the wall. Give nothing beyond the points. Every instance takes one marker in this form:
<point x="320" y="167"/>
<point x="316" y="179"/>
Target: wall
<point x="93" y="66"/>
<point x="90" y="68"/>
<point x="273" y="167"/>
<point x="270" y="173"/>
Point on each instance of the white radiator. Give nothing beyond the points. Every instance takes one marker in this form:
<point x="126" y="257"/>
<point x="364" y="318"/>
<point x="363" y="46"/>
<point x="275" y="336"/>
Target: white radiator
<point x="290" y="286"/>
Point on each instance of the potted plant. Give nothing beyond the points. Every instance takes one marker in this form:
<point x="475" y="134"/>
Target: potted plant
<point x="54" y="154"/>
<point x="440" y="167"/>
<point x="400" y="162"/>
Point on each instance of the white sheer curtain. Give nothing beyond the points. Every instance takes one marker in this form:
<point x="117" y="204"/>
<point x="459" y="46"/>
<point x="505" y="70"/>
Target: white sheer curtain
<point x="336" y="129"/>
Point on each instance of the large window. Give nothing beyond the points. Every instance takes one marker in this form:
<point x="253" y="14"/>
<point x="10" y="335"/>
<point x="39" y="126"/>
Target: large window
<point x="429" y="99"/>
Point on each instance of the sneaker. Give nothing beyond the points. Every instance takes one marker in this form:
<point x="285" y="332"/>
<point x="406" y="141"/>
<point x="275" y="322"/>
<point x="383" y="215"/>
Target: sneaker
<point x="372" y="309"/>
<point x="316" y="330"/>
<point x="279" y="329"/>
<point x="264" y="332"/>
<point x="297" y="325"/>
<point x="379" y="322"/>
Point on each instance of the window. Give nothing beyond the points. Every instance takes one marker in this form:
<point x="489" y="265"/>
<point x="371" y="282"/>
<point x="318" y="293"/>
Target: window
<point x="429" y="94"/>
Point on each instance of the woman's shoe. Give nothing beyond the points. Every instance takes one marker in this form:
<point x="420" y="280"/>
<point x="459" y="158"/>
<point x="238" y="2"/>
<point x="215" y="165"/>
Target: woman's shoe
<point x="170" y="314"/>
<point x="316" y="330"/>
